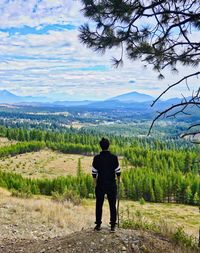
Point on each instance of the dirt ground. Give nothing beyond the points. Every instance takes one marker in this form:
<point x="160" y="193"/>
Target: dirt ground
<point x="85" y="241"/>
<point x="39" y="225"/>
<point x="41" y="217"/>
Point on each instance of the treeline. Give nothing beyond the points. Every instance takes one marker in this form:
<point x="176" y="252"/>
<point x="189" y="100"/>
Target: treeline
<point x="157" y="174"/>
<point x="157" y="160"/>
<point x="20" y="148"/>
<point x="163" y="160"/>
<point x="163" y="186"/>
<point x="82" y="185"/>
<point x="136" y="184"/>
<point x="153" y="179"/>
<point x="71" y="148"/>
<point x="91" y="137"/>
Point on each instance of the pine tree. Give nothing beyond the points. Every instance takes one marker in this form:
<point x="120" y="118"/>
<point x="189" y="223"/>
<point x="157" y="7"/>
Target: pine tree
<point x="196" y="199"/>
<point x="188" y="195"/>
<point x="156" y="32"/>
<point x="79" y="168"/>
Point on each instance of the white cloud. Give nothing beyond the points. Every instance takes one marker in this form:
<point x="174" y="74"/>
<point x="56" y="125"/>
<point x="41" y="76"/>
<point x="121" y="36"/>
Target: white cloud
<point x="55" y="62"/>
<point x="34" y="13"/>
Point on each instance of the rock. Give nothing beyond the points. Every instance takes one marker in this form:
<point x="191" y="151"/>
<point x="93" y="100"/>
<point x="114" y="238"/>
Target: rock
<point x="144" y="248"/>
<point x="42" y="251"/>
<point x="135" y="248"/>
<point x="123" y="248"/>
<point x="126" y="241"/>
<point x="136" y="241"/>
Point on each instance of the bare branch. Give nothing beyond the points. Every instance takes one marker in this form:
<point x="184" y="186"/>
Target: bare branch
<point x="172" y="85"/>
<point x="195" y="125"/>
<point x="164" y="112"/>
<point x="166" y="42"/>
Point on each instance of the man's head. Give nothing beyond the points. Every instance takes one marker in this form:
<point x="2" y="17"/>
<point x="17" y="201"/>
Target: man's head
<point x="104" y="144"/>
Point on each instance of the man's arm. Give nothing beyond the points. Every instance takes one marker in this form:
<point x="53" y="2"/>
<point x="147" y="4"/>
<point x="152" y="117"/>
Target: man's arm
<point x="95" y="181"/>
<point x="117" y="170"/>
<point x="94" y="171"/>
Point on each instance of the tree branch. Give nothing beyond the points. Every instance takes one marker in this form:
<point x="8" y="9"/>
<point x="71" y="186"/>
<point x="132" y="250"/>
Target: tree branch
<point x="169" y="109"/>
<point x="172" y="85"/>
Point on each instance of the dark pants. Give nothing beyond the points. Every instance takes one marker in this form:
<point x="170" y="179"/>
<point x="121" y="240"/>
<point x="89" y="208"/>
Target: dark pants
<point x="111" y="192"/>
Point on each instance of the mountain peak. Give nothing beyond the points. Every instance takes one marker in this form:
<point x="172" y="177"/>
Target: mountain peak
<point x="10" y="98"/>
<point x="6" y="96"/>
<point x="5" y="92"/>
<point x="133" y="97"/>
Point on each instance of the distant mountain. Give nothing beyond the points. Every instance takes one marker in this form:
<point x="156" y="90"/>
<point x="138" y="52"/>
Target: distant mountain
<point x="72" y="103"/>
<point x="10" y="98"/>
<point x="132" y="100"/>
<point x="6" y="97"/>
<point x="133" y="97"/>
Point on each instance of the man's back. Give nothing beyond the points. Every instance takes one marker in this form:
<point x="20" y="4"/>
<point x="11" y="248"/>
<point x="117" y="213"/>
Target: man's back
<point x="106" y="165"/>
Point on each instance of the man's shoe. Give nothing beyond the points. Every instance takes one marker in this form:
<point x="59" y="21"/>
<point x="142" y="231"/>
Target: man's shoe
<point x="112" y="230"/>
<point x="97" y="228"/>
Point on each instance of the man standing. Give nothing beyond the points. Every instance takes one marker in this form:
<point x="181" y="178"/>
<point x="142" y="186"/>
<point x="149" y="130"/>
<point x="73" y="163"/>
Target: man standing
<point x="105" y="168"/>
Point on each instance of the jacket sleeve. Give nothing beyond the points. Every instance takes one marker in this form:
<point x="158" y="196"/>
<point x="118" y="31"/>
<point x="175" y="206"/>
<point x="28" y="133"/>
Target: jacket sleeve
<point x="94" y="168"/>
<point x="117" y="168"/>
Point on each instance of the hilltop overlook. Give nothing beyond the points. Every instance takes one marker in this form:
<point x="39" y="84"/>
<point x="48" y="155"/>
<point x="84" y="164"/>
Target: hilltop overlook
<point x="123" y="241"/>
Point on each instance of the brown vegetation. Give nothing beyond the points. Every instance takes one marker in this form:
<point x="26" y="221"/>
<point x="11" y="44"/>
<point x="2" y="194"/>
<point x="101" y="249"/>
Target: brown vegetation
<point x="6" y="142"/>
<point x="46" y="163"/>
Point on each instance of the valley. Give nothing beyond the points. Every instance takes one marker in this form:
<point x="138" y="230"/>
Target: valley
<point x="46" y="154"/>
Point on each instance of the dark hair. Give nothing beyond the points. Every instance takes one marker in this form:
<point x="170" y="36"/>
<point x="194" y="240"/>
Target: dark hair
<point x="104" y="143"/>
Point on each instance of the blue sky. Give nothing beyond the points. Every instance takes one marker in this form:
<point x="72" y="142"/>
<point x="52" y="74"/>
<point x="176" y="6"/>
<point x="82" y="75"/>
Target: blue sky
<point x="40" y="55"/>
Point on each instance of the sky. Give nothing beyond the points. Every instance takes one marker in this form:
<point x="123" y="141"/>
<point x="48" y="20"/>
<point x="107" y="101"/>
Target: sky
<point x="41" y="55"/>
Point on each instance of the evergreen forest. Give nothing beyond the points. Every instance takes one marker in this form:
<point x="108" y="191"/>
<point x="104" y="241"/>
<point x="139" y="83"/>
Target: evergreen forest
<point x="152" y="169"/>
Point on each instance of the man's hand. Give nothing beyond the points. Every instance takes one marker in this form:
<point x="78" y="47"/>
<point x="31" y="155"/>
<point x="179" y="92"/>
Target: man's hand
<point x="95" y="182"/>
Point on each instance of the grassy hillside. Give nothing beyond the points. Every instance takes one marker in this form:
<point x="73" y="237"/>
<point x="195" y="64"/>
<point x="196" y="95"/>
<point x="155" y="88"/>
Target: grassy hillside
<point x="46" y="164"/>
<point x="45" y="217"/>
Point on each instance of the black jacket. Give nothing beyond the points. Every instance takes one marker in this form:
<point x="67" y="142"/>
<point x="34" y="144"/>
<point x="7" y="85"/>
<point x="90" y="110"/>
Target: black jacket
<point x="105" y="167"/>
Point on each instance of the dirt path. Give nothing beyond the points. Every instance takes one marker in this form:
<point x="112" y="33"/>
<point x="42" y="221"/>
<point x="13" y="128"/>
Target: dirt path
<point x="85" y="241"/>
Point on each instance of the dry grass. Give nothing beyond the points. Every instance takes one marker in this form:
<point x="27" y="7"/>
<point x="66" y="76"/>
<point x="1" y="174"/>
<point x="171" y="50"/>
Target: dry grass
<point x="174" y="215"/>
<point x="6" y="142"/>
<point x="46" y="163"/>
<point x="42" y="217"/>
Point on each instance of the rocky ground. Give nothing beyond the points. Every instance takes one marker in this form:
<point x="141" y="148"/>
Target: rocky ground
<point x="86" y="241"/>
<point x="41" y="225"/>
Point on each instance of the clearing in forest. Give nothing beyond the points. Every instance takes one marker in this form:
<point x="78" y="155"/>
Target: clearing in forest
<point x="46" y="163"/>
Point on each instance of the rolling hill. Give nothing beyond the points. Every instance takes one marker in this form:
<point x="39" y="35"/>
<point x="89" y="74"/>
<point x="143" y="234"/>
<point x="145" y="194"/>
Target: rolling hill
<point x="133" y="97"/>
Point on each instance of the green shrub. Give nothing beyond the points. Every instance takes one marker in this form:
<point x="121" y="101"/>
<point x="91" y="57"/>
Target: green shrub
<point x="68" y="195"/>
<point x="142" y="201"/>
<point x="56" y="196"/>
<point x="180" y="237"/>
<point x="21" y="194"/>
<point x="72" y="196"/>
